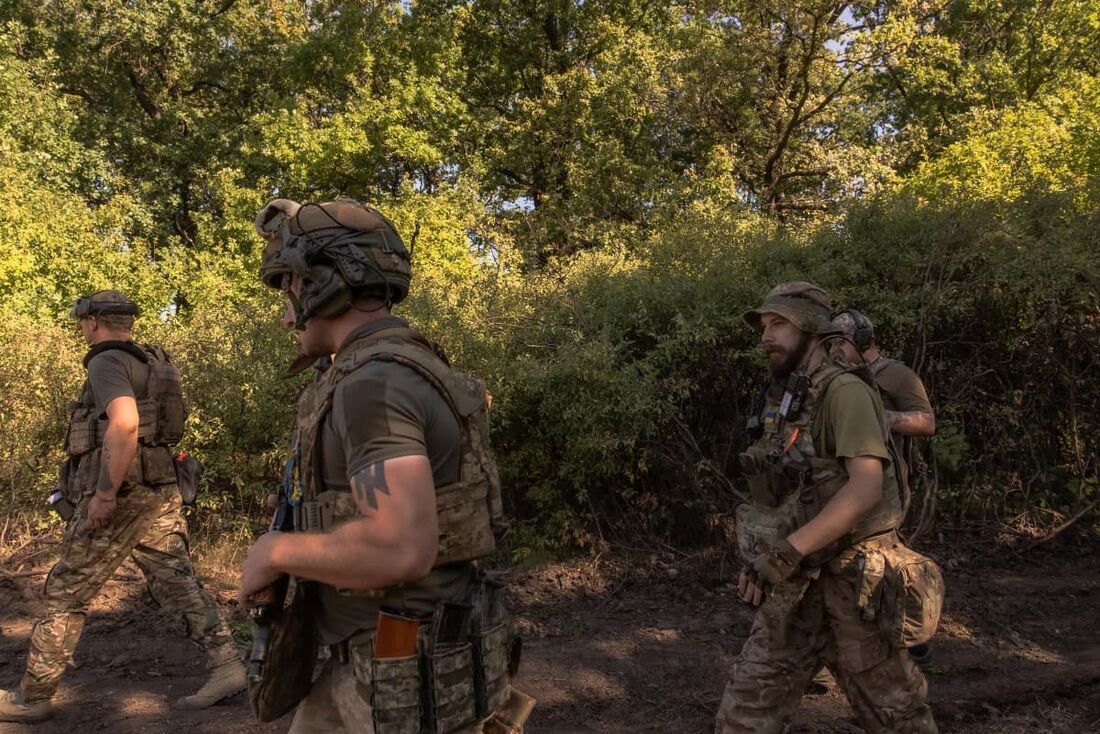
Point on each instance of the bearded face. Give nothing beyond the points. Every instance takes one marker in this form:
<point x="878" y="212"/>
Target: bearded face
<point x="785" y="345"/>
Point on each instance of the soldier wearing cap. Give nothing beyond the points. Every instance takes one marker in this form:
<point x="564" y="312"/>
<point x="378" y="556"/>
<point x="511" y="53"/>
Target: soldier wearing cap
<point x="824" y="504"/>
<point x="119" y="487"/>
<point x="395" y="498"/>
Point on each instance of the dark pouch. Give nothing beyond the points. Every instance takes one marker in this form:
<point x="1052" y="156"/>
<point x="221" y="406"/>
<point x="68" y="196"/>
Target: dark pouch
<point x="188" y="474"/>
<point x="157" y="466"/>
<point x="60" y="504"/>
<point x="288" y="668"/>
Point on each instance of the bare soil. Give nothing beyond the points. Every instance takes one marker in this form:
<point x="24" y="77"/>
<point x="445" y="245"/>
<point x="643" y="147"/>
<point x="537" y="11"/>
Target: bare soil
<point x="628" y="642"/>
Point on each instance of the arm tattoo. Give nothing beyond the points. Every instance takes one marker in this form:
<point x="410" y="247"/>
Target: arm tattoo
<point x="104" y="482"/>
<point x="366" y="483"/>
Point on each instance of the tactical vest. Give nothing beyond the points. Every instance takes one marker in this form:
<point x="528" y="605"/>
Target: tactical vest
<point x="789" y="483"/>
<point x="902" y="448"/>
<point x="880" y="364"/>
<point x="469" y="508"/>
<point x="161" y="417"/>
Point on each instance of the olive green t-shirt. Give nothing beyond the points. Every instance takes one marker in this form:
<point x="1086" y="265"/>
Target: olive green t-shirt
<point x="903" y="392"/>
<point x="901" y="388"/>
<point x="849" y="422"/>
<point x="385" y="410"/>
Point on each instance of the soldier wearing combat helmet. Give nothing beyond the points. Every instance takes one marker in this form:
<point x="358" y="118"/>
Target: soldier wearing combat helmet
<point x="818" y="539"/>
<point x="396" y="495"/>
<point x="120" y="497"/>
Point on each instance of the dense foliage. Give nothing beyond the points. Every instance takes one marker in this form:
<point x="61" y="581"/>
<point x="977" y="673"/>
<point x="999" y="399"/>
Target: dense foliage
<point x="594" y="193"/>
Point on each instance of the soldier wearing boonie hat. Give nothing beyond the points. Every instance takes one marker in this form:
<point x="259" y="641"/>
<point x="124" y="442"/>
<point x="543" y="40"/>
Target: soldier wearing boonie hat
<point x="805" y="305"/>
<point x="817" y="536"/>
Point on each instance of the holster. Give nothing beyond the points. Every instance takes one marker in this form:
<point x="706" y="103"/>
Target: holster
<point x="291" y="655"/>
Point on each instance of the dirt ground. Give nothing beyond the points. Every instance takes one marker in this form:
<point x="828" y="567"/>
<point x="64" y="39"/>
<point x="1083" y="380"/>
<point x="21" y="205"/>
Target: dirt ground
<point x="629" y="642"/>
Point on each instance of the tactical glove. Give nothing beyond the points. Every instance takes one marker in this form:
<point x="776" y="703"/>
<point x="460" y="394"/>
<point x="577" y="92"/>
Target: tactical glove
<point x="777" y="565"/>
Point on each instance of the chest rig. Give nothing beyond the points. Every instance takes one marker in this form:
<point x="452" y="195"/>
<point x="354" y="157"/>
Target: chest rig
<point x="161" y="417"/>
<point x="469" y="508"/>
<point x="789" y="483"/>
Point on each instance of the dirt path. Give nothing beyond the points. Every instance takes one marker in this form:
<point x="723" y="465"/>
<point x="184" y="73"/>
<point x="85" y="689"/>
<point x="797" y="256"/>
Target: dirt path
<point x="638" y="644"/>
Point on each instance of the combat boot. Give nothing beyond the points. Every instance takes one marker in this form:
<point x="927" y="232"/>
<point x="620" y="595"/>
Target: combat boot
<point x="14" y="708"/>
<point x="922" y="656"/>
<point x="225" y="680"/>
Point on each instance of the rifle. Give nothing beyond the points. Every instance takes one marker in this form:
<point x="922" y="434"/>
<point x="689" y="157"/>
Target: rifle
<point x="282" y="521"/>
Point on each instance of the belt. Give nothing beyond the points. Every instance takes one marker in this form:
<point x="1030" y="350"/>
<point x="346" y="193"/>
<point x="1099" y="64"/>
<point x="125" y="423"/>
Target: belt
<point x="341" y="651"/>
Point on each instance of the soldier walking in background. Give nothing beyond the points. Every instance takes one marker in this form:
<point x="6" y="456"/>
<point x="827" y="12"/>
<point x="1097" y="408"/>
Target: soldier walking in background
<point x="120" y="475"/>
<point x="398" y="498"/>
<point x="822" y="557"/>
<point x="908" y="411"/>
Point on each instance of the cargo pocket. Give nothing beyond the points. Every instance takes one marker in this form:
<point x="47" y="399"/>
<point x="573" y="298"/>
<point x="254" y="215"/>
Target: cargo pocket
<point x="451" y="701"/>
<point x="395" y="694"/>
<point x="912" y="597"/>
<point x="492" y="650"/>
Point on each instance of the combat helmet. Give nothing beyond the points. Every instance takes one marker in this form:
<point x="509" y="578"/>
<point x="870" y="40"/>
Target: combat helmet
<point x="340" y="250"/>
<point x="104" y="303"/>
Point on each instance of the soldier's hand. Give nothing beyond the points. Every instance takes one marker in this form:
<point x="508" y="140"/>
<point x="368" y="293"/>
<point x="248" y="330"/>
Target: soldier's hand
<point x="101" y="510"/>
<point x="257" y="573"/>
<point x="777" y="565"/>
<point x="749" y="588"/>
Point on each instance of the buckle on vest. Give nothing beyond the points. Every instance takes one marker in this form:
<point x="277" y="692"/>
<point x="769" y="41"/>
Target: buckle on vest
<point x="313" y="516"/>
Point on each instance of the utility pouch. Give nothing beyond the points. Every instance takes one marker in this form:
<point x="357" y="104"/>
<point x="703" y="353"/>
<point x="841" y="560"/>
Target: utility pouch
<point x="395" y="693"/>
<point x="755" y="467"/>
<point x="84" y="430"/>
<point x="511" y="715"/>
<point x="871" y="565"/>
<point x="912" y="597"/>
<point x="288" y="667"/>
<point x="493" y="653"/>
<point x="449" y="703"/>
<point x="60" y="504"/>
<point x="157" y="466"/>
<point x="65" y="477"/>
<point x="759" y="527"/>
<point x="188" y="474"/>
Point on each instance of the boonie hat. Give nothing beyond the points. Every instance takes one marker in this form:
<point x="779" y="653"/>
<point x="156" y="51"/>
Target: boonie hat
<point x="805" y="305"/>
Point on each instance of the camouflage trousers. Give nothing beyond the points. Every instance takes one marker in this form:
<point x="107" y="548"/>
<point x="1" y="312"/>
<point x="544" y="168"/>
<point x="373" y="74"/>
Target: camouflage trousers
<point x="149" y="527"/>
<point x="803" y="625"/>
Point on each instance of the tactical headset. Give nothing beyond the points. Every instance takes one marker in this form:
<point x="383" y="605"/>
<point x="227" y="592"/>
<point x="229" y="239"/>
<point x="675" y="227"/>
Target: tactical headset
<point x="864" y="334"/>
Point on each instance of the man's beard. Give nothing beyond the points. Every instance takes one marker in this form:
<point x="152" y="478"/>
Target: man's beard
<point x="782" y="370"/>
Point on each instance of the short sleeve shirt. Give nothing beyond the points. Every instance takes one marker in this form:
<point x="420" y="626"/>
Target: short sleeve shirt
<point x="112" y="374"/>
<point x="849" y="422"/>
<point x="901" y="388"/>
<point x="381" y="411"/>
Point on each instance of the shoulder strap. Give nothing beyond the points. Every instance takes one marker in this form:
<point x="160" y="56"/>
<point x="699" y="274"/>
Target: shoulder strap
<point x="882" y="363"/>
<point x="126" y="346"/>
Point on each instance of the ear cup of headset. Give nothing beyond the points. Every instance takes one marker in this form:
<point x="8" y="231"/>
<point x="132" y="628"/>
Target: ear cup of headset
<point x="864" y="333"/>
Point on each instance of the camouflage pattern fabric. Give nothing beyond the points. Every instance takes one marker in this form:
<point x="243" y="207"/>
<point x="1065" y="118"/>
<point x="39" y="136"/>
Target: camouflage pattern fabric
<point x="148" y="526"/>
<point x="781" y="655"/>
<point x="340" y="703"/>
